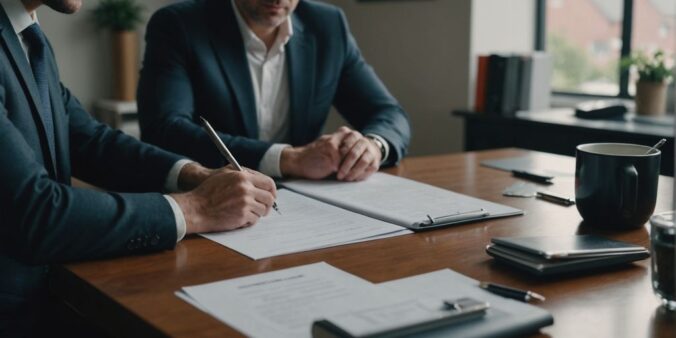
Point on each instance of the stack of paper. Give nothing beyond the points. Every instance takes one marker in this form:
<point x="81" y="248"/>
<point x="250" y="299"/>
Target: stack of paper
<point x="284" y="303"/>
<point x="304" y="224"/>
<point x="398" y="200"/>
<point x="320" y="214"/>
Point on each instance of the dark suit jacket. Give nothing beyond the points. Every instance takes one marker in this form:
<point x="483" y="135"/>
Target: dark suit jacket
<point x="42" y="218"/>
<point x="195" y="65"/>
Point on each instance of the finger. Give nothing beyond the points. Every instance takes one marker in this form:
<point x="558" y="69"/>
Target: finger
<point x="342" y="130"/>
<point x="364" y="162"/>
<point x="250" y="219"/>
<point x="265" y="198"/>
<point x="264" y="182"/>
<point x="257" y="208"/>
<point x="368" y="172"/>
<point x="350" y="159"/>
<point x="229" y="167"/>
<point x="349" y="142"/>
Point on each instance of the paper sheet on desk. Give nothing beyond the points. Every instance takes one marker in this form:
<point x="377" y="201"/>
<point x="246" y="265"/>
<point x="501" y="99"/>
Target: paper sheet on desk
<point x="284" y="303"/>
<point x="395" y="199"/>
<point x="304" y="224"/>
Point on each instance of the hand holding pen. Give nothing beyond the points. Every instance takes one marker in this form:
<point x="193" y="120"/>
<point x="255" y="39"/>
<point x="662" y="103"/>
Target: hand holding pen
<point x="223" y="149"/>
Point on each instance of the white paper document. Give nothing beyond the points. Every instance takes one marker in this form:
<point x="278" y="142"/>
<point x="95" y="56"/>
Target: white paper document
<point x="397" y="200"/>
<point x="284" y="303"/>
<point x="304" y="224"/>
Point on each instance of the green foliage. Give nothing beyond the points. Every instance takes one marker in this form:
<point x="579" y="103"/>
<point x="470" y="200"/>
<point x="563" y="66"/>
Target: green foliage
<point x="573" y="67"/>
<point x="650" y="69"/>
<point x="118" y="15"/>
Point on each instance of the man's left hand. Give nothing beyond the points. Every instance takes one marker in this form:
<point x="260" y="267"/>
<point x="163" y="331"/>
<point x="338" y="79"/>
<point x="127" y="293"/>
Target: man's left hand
<point x="360" y="156"/>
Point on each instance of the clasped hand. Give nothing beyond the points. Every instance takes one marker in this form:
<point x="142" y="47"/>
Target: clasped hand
<point x="346" y="153"/>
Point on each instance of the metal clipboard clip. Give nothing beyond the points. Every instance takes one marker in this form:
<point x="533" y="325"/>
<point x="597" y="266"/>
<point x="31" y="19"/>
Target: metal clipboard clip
<point x="455" y="312"/>
<point x="454" y="218"/>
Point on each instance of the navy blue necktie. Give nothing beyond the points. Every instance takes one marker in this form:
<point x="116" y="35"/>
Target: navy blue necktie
<point x="37" y="54"/>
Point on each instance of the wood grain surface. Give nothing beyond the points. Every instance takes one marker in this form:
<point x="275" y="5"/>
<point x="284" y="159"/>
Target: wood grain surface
<point x="134" y="296"/>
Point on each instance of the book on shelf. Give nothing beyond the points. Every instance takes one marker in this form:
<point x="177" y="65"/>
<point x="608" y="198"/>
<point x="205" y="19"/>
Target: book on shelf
<point x="506" y="84"/>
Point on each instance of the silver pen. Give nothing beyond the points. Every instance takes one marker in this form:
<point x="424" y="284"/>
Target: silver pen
<point x="223" y="149"/>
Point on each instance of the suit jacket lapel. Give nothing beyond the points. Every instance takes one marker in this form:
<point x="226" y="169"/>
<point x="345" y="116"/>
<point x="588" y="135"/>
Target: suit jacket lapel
<point x="301" y="58"/>
<point x="62" y="152"/>
<point x="25" y="75"/>
<point x="229" y="48"/>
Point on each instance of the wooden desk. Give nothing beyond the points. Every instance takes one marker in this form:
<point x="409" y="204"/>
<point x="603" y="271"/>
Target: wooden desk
<point x="559" y="131"/>
<point x="134" y="296"/>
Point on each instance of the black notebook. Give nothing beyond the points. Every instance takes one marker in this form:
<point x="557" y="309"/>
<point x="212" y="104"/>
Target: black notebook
<point x="561" y="254"/>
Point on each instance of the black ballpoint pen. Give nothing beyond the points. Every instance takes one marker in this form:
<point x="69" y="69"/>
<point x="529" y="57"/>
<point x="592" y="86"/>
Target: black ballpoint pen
<point x="223" y="149"/>
<point x="533" y="176"/>
<point x="509" y="292"/>
<point x="548" y="196"/>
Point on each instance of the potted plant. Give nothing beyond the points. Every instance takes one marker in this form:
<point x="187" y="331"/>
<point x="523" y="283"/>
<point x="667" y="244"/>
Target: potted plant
<point x="653" y="77"/>
<point x="122" y="17"/>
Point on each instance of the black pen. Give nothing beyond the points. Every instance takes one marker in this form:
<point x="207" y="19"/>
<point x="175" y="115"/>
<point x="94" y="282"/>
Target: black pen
<point x="532" y="176"/>
<point x="506" y="291"/>
<point x="548" y="196"/>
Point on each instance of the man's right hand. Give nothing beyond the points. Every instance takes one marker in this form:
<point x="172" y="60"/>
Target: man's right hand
<point x="227" y="200"/>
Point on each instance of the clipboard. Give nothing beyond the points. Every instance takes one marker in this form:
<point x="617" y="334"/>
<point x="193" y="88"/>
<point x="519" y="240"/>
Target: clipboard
<point x="455" y="312"/>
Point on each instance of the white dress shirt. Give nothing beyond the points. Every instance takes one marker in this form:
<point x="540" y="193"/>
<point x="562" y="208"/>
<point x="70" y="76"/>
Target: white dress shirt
<point x="269" y="76"/>
<point x="21" y="19"/>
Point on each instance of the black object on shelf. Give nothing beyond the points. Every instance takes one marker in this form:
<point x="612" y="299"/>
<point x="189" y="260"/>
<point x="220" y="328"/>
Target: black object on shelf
<point x="600" y="109"/>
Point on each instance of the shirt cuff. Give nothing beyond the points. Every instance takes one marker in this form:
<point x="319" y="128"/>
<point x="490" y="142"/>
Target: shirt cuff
<point x="270" y="163"/>
<point x="181" y="226"/>
<point x="171" y="183"/>
<point x="386" y="145"/>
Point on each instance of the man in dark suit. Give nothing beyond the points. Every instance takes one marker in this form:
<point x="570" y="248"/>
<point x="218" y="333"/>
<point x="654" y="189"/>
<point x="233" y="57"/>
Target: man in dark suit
<point x="45" y="135"/>
<point x="266" y="73"/>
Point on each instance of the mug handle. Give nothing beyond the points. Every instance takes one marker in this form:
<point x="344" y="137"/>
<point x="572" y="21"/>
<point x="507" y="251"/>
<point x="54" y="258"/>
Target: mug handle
<point x="629" y="189"/>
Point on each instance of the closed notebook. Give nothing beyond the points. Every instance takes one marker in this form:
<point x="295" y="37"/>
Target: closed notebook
<point x="561" y="254"/>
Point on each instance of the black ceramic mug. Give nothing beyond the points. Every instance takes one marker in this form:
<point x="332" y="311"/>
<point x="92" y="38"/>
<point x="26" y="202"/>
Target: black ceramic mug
<point x="616" y="184"/>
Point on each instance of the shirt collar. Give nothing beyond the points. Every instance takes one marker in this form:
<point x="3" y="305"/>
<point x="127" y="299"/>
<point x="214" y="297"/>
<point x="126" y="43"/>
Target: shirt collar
<point x="18" y="15"/>
<point x="285" y="31"/>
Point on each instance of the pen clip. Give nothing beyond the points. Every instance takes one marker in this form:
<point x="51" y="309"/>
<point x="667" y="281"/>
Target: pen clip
<point x="457" y="217"/>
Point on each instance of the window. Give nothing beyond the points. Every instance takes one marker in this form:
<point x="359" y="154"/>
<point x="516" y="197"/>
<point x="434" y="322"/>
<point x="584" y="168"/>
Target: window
<point x="588" y="38"/>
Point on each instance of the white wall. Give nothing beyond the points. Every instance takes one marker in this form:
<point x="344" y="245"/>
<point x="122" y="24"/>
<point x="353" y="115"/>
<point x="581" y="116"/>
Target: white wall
<point x="425" y="52"/>
<point x="83" y="51"/>
<point x="500" y="26"/>
<point x="420" y="50"/>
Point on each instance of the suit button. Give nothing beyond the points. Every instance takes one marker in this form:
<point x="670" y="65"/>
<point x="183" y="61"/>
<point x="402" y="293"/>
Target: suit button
<point x="155" y="240"/>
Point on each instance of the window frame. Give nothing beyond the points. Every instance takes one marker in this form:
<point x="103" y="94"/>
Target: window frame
<point x="540" y="44"/>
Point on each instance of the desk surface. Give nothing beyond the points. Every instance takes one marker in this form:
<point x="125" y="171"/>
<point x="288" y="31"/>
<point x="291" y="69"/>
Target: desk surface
<point x="134" y="296"/>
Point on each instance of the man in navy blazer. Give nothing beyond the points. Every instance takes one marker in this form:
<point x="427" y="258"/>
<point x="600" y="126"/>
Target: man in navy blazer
<point x="45" y="136"/>
<point x="265" y="73"/>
